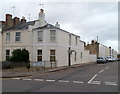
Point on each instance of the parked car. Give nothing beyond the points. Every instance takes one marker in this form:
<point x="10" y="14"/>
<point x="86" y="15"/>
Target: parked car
<point x="101" y="60"/>
<point x="110" y="59"/>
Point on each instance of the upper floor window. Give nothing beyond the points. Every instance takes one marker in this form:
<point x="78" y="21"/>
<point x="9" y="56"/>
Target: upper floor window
<point x="52" y="35"/>
<point x="69" y="39"/>
<point x="76" y="40"/>
<point x="7" y="37"/>
<point x="18" y="36"/>
<point x="40" y="36"/>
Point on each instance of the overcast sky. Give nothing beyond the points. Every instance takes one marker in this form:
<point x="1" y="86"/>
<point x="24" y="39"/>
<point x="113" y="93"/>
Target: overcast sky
<point x="86" y="19"/>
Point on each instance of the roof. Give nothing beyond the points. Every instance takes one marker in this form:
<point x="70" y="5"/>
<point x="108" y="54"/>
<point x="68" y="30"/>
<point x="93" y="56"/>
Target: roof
<point x="25" y="26"/>
<point x="50" y="26"/>
<point x="21" y="26"/>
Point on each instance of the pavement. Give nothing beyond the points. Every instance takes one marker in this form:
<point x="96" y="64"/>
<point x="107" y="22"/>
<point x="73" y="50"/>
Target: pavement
<point x="12" y="74"/>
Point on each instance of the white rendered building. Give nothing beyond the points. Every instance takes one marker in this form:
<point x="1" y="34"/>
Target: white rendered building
<point x="46" y="43"/>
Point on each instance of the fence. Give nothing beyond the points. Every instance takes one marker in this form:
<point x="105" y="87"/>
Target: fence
<point x="44" y="64"/>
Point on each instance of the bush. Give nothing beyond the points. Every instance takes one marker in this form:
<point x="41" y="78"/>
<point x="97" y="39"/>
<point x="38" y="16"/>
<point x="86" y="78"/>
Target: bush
<point x="19" y="55"/>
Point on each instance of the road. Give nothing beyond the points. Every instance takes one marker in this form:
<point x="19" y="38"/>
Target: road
<point x="89" y="78"/>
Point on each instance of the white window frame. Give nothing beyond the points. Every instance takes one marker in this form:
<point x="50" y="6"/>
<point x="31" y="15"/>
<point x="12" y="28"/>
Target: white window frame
<point x="75" y="56"/>
<point x="69" y="39"/>
<point x="40" y="36"/>
<point x="54" y="55"/>
<point x="7" y="55"/>
<point x="53" y="36"/>
<point x="39" y="54"/>
<point x="81" y="55"/>
<point x="19" y="37"/>
<point x="76" y="40"/>
<point x="7" y="37"/>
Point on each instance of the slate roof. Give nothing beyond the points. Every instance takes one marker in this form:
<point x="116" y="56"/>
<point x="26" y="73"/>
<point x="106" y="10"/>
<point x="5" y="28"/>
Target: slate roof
<point x="25" y="26"/>
<point x="21" y="26"/>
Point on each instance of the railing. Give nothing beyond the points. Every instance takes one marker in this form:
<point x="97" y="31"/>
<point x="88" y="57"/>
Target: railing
<point x="44" y="64"/>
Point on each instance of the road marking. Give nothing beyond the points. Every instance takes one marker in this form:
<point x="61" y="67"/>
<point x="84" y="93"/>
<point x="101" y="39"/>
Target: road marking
<point x="92" y="78"/>
<point x="64" y="81"/>
<point x="27" y="79"/>
<point x="39" y="79"/>
<point x="107" y="67"/>
<point x="78" y="82"/>
<point x="101" y="71"/>
<point x="111" y="83"/>
<point x="95" y="82"/>
<point x="16" y="78"/>
<point x="50" y="80"/>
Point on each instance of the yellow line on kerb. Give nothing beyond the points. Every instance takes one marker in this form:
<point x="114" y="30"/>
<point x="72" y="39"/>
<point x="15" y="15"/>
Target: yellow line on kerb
<point x="14" y="78"/>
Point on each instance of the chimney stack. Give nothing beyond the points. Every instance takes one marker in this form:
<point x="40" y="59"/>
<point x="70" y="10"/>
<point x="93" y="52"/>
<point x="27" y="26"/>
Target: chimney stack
<point x="23" y="20"/>
<point x="9" y="21"/>
<point x="16" y="21"/>
<point x="57" y="25"/>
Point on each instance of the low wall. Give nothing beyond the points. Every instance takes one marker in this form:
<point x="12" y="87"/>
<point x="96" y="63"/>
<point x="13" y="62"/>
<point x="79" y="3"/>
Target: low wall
<point x="92" y="58"/>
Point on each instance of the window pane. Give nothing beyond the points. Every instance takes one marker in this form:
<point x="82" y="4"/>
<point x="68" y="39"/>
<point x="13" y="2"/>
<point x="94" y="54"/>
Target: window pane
<point x="18" y="36"/>
<point x="40" y="35"/>
<point x="52" y="52"/>
<point x="7" y="52"/>
<point x="39" y="58"/>
<point x="39" y="52"/>
<point x="7" y="37"/>
<point x="18" y="33"/>
<point x="52" y="32"/>
<point x="52" y="35"/>
<point x="52" y="58"/>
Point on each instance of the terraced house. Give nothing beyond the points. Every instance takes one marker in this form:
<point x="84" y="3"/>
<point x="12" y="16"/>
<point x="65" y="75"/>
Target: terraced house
<point x="44" y="41"/>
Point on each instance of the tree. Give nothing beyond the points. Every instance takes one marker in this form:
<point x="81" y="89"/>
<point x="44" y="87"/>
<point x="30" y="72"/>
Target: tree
<point x="19" y="55"/>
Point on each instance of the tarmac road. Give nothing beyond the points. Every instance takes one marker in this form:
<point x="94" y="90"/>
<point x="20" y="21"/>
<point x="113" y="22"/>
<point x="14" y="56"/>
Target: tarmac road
<point x="89" y="78"/>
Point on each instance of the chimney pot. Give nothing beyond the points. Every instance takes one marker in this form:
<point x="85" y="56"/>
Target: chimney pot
<point x="23" y="20"/>
<point x="16" y="20"/>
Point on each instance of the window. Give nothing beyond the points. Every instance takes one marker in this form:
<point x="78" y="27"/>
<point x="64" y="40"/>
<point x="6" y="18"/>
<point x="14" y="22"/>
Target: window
<point x="81" y="55"/>
<point x="69" y="39"/>
<point x="7" y="37"/>
<point x="7" y="55"/>
<point x="39" y="55"/>
<point x="76" y="40"/>
<point x="40" y="36"/>
<point x="75" y="56"/>
<point x="52" y="56"/>
<point x="52" y="35"/>
<point x="18" y="36"/>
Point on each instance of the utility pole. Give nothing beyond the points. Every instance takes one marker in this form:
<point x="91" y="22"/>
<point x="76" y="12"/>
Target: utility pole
<point x="97" y="47"/>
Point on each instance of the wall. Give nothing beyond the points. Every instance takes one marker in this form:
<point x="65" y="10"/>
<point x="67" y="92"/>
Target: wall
<point x="26" y="42"/>
<point x="0" y="45"/>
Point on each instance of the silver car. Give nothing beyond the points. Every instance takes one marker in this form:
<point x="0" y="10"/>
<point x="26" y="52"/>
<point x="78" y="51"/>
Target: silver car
<point x="101" y="60"/>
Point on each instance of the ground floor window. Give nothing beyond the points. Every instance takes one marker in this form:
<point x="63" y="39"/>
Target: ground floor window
<point x="7" y="55"/>
<point x="75" y="56"/>
<point x="39" y="55"/>
<point x="81" y="55"/>
<point x="52" y="55"/>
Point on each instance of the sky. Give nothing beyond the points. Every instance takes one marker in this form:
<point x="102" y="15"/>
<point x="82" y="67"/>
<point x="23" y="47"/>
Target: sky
<point x="86" y="19"/>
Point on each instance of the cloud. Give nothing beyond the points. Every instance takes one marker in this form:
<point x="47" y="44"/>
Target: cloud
<point x="88" y="20"/>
